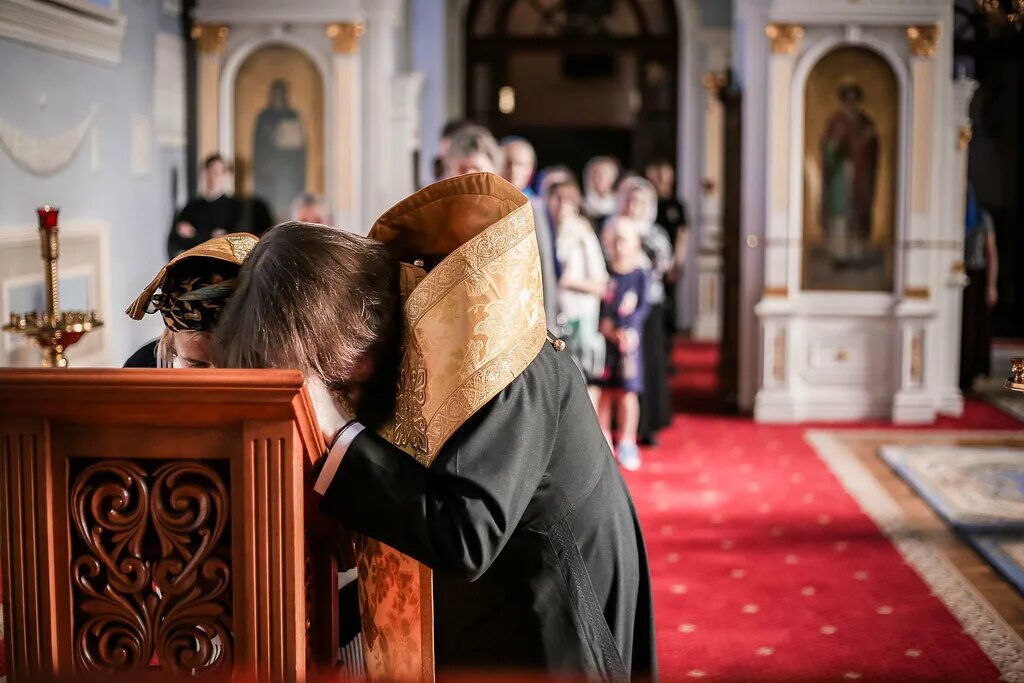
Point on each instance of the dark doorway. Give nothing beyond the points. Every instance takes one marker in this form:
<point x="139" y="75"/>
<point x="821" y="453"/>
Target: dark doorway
<point x="988" y="46"/>
<point x="577" y="78"/>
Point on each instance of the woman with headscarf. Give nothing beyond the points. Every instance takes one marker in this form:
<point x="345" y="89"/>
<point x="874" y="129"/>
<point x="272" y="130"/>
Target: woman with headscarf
<point x="582" y="283"/>
<point x="189" y="293"/>
<point x="637" y="200"/>
<point x="599" y="177"/>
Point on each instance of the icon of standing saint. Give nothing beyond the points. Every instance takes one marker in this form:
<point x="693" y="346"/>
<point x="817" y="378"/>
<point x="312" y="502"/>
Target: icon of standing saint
<point x="279" y="152"/>
<point x="849" y="151"/>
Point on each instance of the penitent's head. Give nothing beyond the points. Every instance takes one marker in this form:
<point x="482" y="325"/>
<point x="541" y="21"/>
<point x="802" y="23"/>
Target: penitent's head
<point x="317" y="299"/>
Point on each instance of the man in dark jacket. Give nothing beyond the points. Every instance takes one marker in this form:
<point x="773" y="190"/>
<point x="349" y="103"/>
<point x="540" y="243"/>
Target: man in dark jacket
<point x="488" y="466"/>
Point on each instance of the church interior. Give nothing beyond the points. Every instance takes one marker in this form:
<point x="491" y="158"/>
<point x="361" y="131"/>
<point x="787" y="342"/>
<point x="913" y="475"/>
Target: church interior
<point x="819" y="419"/>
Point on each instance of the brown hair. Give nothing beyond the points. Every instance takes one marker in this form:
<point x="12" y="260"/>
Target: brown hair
<point x="323" y="301"/>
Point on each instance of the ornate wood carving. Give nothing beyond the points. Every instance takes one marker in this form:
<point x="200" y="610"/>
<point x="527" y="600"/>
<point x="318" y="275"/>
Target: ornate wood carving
<point x="151" y="567"/>
<point x="186" y="556"/>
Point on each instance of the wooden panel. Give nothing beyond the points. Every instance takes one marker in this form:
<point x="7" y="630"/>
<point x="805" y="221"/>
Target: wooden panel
<point x="271" y="637"/>
<point x="148" y="442"/>
<point x="159" y="510"/>
<point x="25" y="507"/>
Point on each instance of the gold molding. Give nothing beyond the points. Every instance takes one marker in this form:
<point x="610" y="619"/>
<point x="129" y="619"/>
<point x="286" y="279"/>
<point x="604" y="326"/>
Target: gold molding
<point x="923" y="40"/>
<point x="782" y="291"/>
<point x="785" y="37"/>
<point x="917" y="357"/>
<point x="210" y="38"/>
<point x="779" y="360"/>
<point x="964" y="138"/>
<point x="916" y="293"/>
<point x="714" y="81"/>
<point x="345" y="37"/>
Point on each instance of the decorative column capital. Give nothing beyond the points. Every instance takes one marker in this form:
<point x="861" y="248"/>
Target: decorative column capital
<point x="923" y="40"/>
<point x="714" y="81"/>
<point x="345" y="37"/>
<point x="964" y="138"/>
<point x="785" y="37"/>
<point x="210" y="38"/>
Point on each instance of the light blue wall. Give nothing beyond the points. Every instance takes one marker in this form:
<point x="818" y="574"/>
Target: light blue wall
<point x="138" y="209"/>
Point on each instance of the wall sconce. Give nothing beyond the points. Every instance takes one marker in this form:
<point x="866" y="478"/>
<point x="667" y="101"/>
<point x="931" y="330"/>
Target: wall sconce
<point x="507" y="99"/>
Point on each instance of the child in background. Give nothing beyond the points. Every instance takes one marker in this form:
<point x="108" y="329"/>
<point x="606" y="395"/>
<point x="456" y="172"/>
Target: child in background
<point x="623" y="312"/>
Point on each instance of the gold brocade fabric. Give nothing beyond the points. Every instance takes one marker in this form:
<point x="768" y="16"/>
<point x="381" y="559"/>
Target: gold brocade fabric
<point x="472" y="325"/>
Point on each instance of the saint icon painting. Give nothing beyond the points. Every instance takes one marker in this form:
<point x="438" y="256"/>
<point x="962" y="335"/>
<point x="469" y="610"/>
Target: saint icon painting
<point x="849" y="172"/>
<point x="279" y="128"/>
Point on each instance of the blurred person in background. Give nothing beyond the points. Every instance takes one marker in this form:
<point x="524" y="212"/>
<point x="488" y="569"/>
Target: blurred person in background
<point x="447" y="132"/>
<point x="520" y="163"/>
<point x="310" y="207"/>
<point x="623" y="311"/>
<point x="213" y="212"/>
<point x="672" y="217"/>
<point x="637" y="201"/>
<point x="582" y="283"/>
<point x="547" y="239"/>
<point x="599" y="178"/>
<point x="981" y="261"/>
<point x="472" y="150"/>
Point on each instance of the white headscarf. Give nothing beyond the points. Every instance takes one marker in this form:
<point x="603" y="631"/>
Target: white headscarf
<point x="595" y="204"/>
<point x="633" y="184"/>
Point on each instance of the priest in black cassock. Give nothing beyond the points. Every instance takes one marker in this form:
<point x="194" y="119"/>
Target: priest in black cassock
<point x="460" y="438"/>
<point x="211" y="214"/>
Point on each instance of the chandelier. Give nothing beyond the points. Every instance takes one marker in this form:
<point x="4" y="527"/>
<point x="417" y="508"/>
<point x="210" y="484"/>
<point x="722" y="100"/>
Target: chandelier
<point x="1003" y="13"/>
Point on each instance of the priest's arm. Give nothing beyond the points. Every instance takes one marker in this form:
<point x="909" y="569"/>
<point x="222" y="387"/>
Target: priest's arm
<point x="456" y="515"/>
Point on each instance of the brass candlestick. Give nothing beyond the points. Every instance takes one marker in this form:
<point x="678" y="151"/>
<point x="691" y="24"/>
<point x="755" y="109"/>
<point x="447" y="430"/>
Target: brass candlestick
<point x="53" y="331"/>
<point x="1015" y="382"/>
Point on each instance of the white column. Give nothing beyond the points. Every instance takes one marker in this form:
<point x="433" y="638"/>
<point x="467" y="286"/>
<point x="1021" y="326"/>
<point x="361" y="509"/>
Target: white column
<point x="405" y="124"/>
<point x="346" y="139"/>
<point x="916" y="313"/>
<point x="779" y="247"/>
<point x="378" y="171"/>
<point x="922" y="40"/>
<point x="774" y="400"/>
<point x="708" y="322"/>
<point x="958" y="138"/>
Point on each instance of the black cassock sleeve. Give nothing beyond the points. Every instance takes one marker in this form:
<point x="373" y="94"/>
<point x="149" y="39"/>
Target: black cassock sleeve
<point x="456" y="515"/>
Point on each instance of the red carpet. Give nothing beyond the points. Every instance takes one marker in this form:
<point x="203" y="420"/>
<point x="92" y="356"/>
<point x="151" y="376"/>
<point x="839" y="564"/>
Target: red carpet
<point x="765" y="569"/>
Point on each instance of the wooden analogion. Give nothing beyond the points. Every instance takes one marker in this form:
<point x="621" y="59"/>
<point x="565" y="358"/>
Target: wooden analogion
<point x="154" y="520"/>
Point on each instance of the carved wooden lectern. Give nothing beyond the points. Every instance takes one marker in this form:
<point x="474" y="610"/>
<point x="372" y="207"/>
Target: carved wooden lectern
<point x="157" y="520"/>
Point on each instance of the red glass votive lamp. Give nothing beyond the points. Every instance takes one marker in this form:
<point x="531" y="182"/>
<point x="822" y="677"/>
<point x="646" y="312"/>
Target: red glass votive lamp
<point x="48" y="217"/>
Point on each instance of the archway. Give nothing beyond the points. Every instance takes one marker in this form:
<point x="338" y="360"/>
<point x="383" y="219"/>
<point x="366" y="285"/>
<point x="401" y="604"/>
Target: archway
<point x="278" y="127"/>
<point x="576" y="77"/>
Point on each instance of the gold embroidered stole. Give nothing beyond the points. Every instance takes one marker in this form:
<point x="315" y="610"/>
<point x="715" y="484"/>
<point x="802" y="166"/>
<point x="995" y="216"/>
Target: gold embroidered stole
<point x="472" y="325"/>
